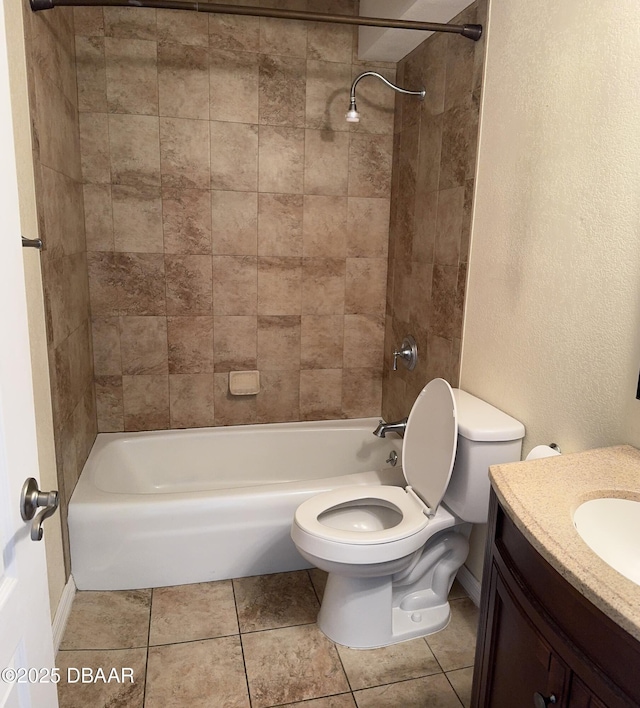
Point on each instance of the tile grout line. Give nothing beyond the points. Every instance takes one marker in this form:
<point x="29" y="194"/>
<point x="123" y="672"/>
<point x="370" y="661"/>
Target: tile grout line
<point x="344" y="671"/>
<point x="146" y="663"/>
<point x="244" y="662"/>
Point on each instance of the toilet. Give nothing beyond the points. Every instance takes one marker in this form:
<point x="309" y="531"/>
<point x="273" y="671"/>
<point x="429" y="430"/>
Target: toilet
<point x="392" y="553"/>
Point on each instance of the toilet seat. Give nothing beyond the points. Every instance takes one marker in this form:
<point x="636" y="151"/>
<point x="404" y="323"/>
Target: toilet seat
<point x="413" y="514"/>
<point x="428" y="454"/>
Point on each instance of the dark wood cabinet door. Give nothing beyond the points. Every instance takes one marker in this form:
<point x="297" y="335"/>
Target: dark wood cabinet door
<point x="521" y="663"/>
<point x="581" y="697"/>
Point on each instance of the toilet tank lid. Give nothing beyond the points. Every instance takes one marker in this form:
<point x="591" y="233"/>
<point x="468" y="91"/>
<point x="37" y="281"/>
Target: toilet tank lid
<point x="482" y="422"/>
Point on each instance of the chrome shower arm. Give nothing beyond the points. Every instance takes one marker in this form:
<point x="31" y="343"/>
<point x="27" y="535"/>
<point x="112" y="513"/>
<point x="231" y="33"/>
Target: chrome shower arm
<point x="399" y="89"/>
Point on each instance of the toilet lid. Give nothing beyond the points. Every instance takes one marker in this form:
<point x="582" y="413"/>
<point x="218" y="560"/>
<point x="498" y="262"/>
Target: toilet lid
<point x="430" y="442"/>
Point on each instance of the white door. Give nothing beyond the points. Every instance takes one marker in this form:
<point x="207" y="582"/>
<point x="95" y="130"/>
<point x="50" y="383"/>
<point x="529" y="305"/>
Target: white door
<point x="25" y="623"/>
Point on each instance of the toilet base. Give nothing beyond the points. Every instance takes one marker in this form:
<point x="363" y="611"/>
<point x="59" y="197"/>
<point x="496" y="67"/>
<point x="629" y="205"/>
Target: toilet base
<point x="371" y="612"/>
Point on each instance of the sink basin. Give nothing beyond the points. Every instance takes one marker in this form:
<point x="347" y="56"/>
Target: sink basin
<point x="611" y="528"/>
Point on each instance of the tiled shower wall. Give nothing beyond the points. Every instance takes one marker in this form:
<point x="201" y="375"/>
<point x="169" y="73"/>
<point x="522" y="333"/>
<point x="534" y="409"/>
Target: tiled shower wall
<point x="432" y="197"/>
<point x="51" y="74"/>
<point x="234" y="220"/>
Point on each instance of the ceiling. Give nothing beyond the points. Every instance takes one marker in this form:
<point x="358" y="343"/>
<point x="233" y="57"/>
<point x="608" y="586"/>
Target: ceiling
<point x="377" y="44"/>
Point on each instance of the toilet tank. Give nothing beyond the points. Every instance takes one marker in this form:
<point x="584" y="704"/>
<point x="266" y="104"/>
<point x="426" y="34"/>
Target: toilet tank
<point x="486" y="436"/>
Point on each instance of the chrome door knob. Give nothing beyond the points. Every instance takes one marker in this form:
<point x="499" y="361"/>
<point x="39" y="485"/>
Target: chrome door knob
<point x="31" y="498"/>
<point x="539" y="701"/>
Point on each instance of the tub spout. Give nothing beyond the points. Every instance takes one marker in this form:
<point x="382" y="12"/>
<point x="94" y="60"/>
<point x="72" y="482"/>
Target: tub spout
<point x="397" y="427"/>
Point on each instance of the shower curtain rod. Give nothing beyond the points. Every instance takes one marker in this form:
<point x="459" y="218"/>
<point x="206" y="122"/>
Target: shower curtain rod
<point x="471" y="31"/>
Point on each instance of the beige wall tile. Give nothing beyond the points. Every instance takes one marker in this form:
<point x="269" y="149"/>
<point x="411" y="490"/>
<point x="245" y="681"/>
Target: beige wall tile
<point x="94" y="146"/>
<point x="190" y="345"/>
<point x="98" y="217"/>
<point x="322" y="341"/>
<point x="141" y="284"/>
<point x="323" y="286"/>
<point x="191" y="400"/>
<point x="329" y="42"/>
<point x="328" y="85"/>
<point x="365" y="285"/>
<point x="104" y="283"/>
<point x="235" y="343"/>
<point x="286" y="37"/>
<point x="137" y="219"/>
<point x="184" y="153"/>
<point x="61" y="223"/>
<point x="233" y="87"/>
<point x="367" y="227"/>
<point x="324" y="227"/>
<point x="234" y="218"/>
<point x="146" y="402"/>
<point x="134" y="149"/>
<point x="228" y="409"/>
<point x="321" y="394"/>
<point x="279" y="397"/>
<point x="107" y="360"/>
<point x="279" y="286"/>
<point x="91" y="73"/>
<point x="279" y="343"/>
<point x="143" y="345"/>
<point x="88" y="21"/>
<point x="234" y="156"/>
<point x="109" y="404"/>
<point x="326" y="162"/>
<point x="132" y="76"/>
<point x="458" y="141"/>
<point x="282" y="91"/>
<point x="56" y="125"/>
<point x="177" y="27"/>
<point x="370" y="165"/>
<point x="281" y="160"/>
<point x="363" y="341"/>
<point x="189" y="285"/>
<point x="130" y="23"/>
<point x="186" y="220"/>
<point x="235" y="285"/>
<point x="449" y="226"/>
<point x="280" y="218"/>
<point x="183" y="81"/>
<point x="361" y="392"/>
<point x="234" y="33"/>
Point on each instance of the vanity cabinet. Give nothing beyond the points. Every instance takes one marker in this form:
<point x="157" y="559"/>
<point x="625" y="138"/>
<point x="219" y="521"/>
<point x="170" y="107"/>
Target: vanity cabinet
<point x="540" y="642"/>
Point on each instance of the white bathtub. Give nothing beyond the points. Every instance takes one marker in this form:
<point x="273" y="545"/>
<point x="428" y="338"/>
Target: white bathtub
<point x="188" y="506"/>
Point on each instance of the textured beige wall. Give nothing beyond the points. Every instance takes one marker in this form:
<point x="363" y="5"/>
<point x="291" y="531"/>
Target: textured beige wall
<point x="234" y="219"/>
<point x="552" y="326"/>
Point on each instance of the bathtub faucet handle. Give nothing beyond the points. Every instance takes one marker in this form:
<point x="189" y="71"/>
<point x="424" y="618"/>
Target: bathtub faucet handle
<point x="408" y="352"/>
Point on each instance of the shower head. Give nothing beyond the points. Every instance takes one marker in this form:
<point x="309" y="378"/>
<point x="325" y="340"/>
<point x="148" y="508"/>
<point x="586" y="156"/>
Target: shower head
<point x="352" y="115"/>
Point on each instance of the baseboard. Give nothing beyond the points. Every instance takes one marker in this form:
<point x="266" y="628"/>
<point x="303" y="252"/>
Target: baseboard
<point x="63" y="612"/>
<point x="472" y="586"/>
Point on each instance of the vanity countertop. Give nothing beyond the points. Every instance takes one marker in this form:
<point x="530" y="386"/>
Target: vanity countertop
<point x="541" y="497"/>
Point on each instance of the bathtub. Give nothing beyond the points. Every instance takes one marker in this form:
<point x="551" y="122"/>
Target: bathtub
<point x="187" y="506"/>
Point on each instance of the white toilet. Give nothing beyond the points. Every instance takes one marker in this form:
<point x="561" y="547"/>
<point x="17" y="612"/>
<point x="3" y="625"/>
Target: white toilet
<point x="392" y="553"/>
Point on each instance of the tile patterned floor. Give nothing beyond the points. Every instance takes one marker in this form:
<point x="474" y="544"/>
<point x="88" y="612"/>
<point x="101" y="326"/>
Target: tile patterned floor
<point x="253" y="643"/>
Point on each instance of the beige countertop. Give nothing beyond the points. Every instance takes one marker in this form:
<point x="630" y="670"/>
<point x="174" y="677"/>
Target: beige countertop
<point x="541" y="497"/>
